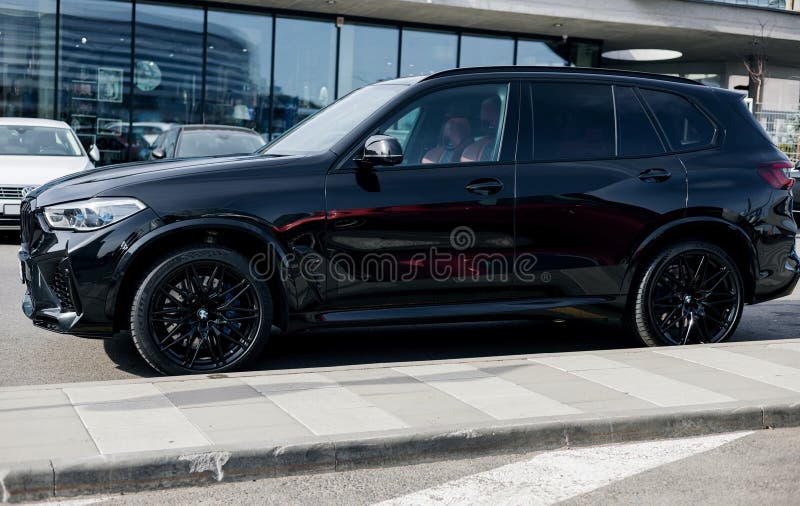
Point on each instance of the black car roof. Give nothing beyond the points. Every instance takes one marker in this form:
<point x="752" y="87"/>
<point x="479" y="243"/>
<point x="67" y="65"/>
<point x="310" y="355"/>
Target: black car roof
<point x="559" y="70"/>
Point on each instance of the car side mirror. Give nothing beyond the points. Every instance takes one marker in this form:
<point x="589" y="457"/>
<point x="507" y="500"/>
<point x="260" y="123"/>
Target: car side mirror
<point x="159" y="153"/>
<point x="381" y="150"/>
<point x="94" y="153"/>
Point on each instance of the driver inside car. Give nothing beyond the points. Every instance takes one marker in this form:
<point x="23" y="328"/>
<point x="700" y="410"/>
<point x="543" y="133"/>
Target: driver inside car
<point x="456" y="135"/>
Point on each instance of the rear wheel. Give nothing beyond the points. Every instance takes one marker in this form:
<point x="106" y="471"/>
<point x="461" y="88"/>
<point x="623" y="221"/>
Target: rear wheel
<point x="200" y="310"/>
<point x="691" y="293"/>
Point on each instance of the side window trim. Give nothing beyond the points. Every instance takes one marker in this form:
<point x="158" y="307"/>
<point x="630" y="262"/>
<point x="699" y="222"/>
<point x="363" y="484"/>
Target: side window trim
<point x="714" y="143"/>
<point x="616" y="119"/>
<point x="508" y="136"/>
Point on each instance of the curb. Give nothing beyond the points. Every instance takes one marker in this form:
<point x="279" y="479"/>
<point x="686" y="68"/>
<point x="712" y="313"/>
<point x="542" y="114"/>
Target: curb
<point x="47" y="479"/>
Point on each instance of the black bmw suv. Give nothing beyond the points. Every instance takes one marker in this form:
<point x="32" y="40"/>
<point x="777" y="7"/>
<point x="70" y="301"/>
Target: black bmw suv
<point x="471" y="194"/>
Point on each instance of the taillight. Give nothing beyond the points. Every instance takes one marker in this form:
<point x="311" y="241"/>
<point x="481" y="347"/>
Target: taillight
<point x="777" y="174"/>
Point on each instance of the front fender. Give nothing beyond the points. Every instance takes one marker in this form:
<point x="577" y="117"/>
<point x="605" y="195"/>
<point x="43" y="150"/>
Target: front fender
<point x="266" y="237"/>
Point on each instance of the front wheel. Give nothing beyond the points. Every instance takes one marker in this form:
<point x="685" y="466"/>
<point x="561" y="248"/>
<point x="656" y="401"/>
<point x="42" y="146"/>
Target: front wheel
<point x="691" y="293"/>
<point x="200" y="310"/>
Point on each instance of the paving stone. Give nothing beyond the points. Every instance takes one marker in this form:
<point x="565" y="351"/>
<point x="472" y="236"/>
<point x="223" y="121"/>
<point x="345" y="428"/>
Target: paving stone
<point x="205" y="392"/>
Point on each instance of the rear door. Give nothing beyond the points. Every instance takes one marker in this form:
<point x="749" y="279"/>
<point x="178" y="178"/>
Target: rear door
<point x="595" y="177"/>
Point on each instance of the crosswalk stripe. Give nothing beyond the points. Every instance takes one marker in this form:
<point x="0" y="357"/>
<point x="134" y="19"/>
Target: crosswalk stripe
<point x="133" y="417"/>
<point x="655" y="388"/>
<point x="497" y="397"/>
<point x="741" y="365"/>
<point x="323" y="406"/>
<point x="555" y="476"/>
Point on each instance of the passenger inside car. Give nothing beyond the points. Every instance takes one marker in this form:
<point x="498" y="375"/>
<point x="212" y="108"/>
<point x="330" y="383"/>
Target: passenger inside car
<point x="483" y="148"/>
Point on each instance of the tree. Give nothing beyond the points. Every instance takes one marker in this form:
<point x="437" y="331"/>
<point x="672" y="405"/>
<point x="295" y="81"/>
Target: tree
<point x="755" y="63"/>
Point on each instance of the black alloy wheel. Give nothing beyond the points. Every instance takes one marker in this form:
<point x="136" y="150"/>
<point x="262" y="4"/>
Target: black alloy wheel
<point x="690" y="294"/>
<point x="201" y="311"/>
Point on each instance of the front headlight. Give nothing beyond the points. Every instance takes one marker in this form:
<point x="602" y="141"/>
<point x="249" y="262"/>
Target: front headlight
<point x="91" y="214"/>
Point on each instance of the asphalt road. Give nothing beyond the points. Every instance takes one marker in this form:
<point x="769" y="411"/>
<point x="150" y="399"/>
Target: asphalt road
<point x="32" y="356"/>
<point x="747" y="468"/>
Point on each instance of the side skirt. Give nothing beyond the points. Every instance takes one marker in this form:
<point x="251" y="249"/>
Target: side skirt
<point x="584" y="308"/>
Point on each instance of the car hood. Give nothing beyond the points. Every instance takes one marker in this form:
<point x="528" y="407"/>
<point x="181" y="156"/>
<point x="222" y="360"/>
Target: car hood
<point x="37" y="170"/>
<point x="90" y="183"/>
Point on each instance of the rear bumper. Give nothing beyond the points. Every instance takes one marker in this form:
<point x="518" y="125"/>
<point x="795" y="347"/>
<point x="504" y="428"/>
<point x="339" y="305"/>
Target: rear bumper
<point x="779" y="282"/>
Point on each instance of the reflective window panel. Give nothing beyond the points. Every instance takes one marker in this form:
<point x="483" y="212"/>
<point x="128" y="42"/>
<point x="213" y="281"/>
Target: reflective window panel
<point x="572" y="121"/>
<point x="27" y="57"/>
<point x="238" y="69"/>
<point x="479" y="51"/>
<point x="305" y="70"/>
<point x="425" y="52"/>
<point x="95" y="77"/>
<point x="539" y="53"/>
<point x="367" y="54"/>
<point x="168" y="67"/>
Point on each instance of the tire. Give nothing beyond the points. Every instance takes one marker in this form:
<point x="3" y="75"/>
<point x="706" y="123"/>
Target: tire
<point x="690" y="293"/>
<point x="200" y="310"/>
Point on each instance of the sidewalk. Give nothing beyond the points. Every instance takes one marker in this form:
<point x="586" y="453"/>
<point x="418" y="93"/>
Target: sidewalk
<point x="71" y="439"/>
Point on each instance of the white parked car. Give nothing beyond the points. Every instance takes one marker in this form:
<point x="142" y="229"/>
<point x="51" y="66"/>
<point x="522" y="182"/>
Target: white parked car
<point x="33" y="152"/>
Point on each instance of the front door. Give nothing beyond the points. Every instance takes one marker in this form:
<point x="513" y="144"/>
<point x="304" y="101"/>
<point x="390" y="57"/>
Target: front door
<point x="437" y="228"/>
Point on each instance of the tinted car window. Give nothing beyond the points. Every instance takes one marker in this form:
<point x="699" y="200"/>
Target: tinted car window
<point x="685" y="126"/>
<point x="572" y="121"/>
<point x="218" y="142"/>
<point x="456" y="125"/>
<point x="636" y="133"/>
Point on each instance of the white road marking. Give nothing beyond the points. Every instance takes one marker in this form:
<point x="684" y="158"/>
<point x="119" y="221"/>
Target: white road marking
<point x="322" y="405"/>
<point x="655" y="388"/>
<point x="556" y="476"/>
<point x="497" y="397"/>
<point x="133" y="417"/>
<point x="741" y="365"/>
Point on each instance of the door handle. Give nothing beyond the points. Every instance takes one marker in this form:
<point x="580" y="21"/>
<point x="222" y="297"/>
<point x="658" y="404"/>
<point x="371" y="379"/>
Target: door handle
<point x="485" y="186"/>
<point x="654" y="175"/>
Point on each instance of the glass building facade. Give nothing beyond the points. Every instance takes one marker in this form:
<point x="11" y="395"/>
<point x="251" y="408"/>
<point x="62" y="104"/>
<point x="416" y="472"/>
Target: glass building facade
<point x="121" y="71"/>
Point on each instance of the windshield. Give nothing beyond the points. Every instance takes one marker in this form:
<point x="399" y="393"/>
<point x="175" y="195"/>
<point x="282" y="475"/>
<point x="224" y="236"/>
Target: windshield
<point x="325" y="128"/>
<point x="38" y="141"/>
<point x="218" y="142"/>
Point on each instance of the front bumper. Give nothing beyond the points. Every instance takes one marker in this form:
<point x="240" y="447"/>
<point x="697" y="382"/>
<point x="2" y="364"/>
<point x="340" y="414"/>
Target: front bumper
<point x="69" y="275"/>
<point x="9" y="221"/>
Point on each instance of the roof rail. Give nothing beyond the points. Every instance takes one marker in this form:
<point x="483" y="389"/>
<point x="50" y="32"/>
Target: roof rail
<point x="560" y="70"/>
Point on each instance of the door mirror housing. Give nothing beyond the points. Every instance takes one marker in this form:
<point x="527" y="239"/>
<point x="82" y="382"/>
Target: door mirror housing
<point x="94" y="153"/>
<point x="381" y="150"/>
<point x="158" y="153"/>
